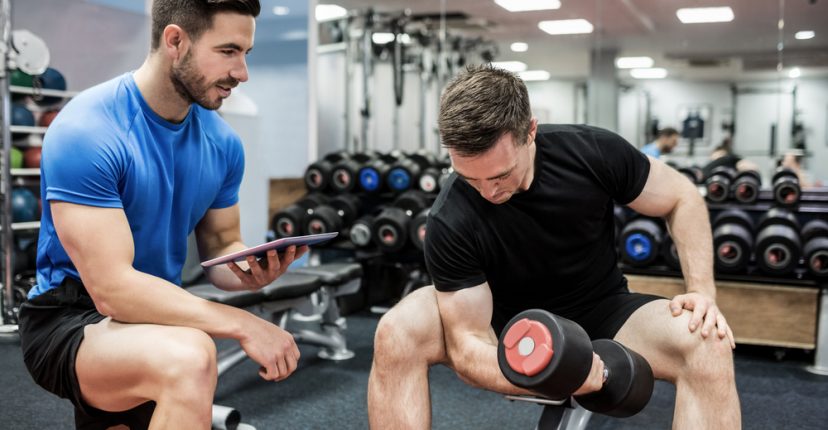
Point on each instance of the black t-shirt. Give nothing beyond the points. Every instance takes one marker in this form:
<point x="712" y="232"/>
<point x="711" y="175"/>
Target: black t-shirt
<point x="550" y="247"/>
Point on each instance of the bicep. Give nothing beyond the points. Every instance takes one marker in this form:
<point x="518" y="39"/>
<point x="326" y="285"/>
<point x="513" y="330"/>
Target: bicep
<point x="98" y="240"/>
<point x="664" y="188"/>
<point x="466" y="312"/>
<point x="218" y="229"/>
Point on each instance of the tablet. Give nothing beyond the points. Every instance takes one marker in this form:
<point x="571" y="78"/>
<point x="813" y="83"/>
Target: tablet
<point x="278" y="245"/>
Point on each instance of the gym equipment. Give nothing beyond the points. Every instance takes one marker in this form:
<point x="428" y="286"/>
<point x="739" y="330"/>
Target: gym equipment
<point x="669" y="253"/>
<point x="718" y="184"/>
<point x="47" y="117"/>
<point x="24" y="205"/>
<point x="732" y="240"/>
<point x="361" y="232"/>
<point x="16" y="158"/>
<point x="372" y="175"/>
<point x="417" y="229"/>
<point x="815" y="237"/>
<point x="693" y="173"/>
<point x="31" y="158"/>
<point x="51" y="79"/>
<point x="30" y="53"/>
<point x="619" y="218"/>
<point x="335" y="215"/>
<point x="640" y="241"/>
<point x="786" y="189"/>
<point x="290" y="220"/>
<point x="21" y="117"/>
<point x="746" y="186"/>
<point x="553" y="356"/>
<point x="391" y="226"/>
<point x="318" y="174"/>
<point x="345" y="174"/>
<point x="406" y="172"/>
<point x="778" y="245"/>
<point x="431" y="178"/>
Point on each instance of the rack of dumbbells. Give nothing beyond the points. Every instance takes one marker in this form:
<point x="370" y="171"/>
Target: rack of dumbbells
<point x="379" y="203"/>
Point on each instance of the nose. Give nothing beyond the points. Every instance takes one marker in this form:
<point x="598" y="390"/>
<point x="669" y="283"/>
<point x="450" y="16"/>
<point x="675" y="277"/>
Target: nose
<point x="489" y="190"/>
<point x="239" y="72"/>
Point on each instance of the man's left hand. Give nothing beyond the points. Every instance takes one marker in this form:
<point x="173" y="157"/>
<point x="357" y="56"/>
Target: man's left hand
<point x="264" y="271"/>
<point x="705" y="315"/>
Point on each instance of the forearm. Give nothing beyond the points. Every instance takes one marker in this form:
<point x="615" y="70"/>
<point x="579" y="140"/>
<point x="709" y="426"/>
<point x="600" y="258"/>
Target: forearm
<point x="221" y="276"/>
<point x="137" y="297"/>
<point x="690" y="229"/>
<point x="475" y="361"/>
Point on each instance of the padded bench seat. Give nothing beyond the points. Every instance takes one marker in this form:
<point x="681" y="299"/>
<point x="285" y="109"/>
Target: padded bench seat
<point x="288" y="286"/>
<point x="333" y="273"/>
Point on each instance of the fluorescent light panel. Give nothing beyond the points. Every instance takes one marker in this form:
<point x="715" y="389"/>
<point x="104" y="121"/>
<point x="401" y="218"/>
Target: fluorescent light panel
<point x="512" y="66"/>
<point x="634" y="62"/>
<point x="519" y="47"/>
<point x="329" y="12"/>
<point x="281" y="10"/>
<point x="651" y="73"/>
<point x="534" y="75"/>
<point x="805" y="35"/>
<point x="566" y="26"/>
<point x="705" y="14"/>
<point x="795" y="73"/>
<point x="383" y="38"/>
<point x="525" y="5"/>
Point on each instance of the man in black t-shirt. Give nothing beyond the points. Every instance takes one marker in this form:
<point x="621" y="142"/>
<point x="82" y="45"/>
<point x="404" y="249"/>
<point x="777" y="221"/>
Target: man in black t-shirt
<point x="527" y="222"/>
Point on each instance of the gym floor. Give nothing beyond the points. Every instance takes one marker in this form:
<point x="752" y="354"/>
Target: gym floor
<point x="775" y="394"/>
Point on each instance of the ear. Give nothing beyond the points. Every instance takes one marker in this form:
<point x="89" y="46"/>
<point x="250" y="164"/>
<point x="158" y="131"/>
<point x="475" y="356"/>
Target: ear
<point x="533" y="129"/>
<point x="174" y="41"/>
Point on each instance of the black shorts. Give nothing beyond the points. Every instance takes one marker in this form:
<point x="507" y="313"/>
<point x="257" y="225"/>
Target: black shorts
<point x="51" y="331"/>
<point x="601" y="318"/>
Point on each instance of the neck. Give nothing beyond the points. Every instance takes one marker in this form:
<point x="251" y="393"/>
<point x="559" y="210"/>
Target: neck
<point x="530" y="173"/>
<point x="153" y="81"/>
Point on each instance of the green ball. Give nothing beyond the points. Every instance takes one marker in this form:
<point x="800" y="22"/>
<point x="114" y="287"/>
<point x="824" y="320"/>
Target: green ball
<point x="21" y="79"/>
<point x="16" y="158"/>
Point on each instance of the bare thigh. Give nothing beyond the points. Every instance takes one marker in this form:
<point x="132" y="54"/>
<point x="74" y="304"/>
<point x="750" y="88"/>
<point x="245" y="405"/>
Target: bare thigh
<point x="120" y="366"/>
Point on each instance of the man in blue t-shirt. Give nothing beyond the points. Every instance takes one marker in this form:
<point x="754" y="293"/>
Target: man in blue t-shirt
<point x="665" y="142"/>
<point x="130" y="168"/>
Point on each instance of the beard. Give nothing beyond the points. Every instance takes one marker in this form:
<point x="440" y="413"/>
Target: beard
<point x="193" y="87"/>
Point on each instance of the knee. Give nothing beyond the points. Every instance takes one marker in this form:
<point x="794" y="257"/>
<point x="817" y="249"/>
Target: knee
<point x="709" y="360"/>
<point x="190" y="360"/>
<point x="393" y="340"/>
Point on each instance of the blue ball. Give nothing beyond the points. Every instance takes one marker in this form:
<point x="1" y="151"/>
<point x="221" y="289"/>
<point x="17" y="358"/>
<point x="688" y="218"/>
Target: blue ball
<point x="51" y="79"/>
<point x="24" y="205"/>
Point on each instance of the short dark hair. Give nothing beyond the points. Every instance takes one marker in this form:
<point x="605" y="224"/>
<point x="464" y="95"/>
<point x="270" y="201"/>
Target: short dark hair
<point x="479" y="106"/>
<point x="194" y="16"/>
<point x="667" y="132"/>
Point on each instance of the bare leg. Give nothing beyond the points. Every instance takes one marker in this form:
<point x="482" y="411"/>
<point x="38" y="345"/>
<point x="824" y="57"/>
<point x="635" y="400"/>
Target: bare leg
<point x="701" y="369"/>
<point x="121" y="366"/>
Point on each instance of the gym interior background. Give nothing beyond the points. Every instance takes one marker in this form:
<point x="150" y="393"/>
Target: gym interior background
<point x="340" y="95"/>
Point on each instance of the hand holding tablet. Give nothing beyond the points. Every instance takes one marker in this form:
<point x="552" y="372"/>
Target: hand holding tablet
<point x="278" y="244"/>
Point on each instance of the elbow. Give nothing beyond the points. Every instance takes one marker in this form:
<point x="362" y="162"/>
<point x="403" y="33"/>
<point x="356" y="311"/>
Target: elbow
<point x="103" y="291"/>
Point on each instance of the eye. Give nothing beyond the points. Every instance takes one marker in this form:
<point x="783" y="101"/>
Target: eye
<point x="228" y="52"/>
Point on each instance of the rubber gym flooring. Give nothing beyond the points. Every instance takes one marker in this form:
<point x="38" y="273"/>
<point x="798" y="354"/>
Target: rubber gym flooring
<point x="775" y="394"/>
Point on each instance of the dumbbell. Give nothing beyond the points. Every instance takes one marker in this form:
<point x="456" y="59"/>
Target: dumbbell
<point x="335" y="215"/>
<point x="718" y="184"/>
<point x="405" y="173"/>
<point x="373" y="174"/>
<point x="732" y="240"/>
<point x="430" y="180"/>
<point x="619" y="218"/>
<point x="669" y="253"/>
<point x="417" y="229"/>
<point x="318" y="174"/>
<point x="694" y="173"/>
<point x="786" y="190"/>
<point x="640" y="241"/>
<point x="815" y="237"/>
<point x="361" y="231"/>
<point x="746" y="186"/>
<point x="778" y="245"/>
<point x="552" y="356"/>
<point x="345" y="172"/>
<point x="290" y="221"/>
<point x="391" y="226"/>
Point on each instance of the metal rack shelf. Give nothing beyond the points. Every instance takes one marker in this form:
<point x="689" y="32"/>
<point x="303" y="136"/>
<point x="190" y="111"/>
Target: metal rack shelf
<point x="27" y="129"/>
<point x="42" y="92"/>
<point x="25" y="172"/>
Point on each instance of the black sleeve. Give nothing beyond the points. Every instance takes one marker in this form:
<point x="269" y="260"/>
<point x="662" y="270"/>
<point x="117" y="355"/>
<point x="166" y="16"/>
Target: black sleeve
<point x="450" y="257"/>
<point x="620" y="167"/>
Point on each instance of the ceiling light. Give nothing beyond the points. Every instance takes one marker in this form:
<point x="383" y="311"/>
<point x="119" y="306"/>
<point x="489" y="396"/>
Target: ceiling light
<point x="329" y="12"/>
<point x="281" y="10"/>
<point x="534" y="75"/>
<point x="566" y="26"/>
<point x="634" y="62"/>
<point x="519" y="47"/>
<point x="805" y="35"/>
<point x="651" y="73"/>
<point x="383" y="38"/>
<point x="795" y="73"/>
<point x="512" y="66"/>
<point x="705" y="14"/>
<point x="524" y="5"/>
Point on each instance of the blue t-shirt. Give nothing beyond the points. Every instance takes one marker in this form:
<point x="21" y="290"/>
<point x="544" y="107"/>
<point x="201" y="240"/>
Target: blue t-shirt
<point x="108" y="149"/>
<point x="652" y="150"/>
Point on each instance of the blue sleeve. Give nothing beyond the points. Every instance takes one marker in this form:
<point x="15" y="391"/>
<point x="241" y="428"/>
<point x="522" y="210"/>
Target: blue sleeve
<point x="229" y="193"/>
<point x="82" y="167"/>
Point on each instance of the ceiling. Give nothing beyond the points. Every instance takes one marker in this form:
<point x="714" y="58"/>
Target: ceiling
<point x="744" y="48"/>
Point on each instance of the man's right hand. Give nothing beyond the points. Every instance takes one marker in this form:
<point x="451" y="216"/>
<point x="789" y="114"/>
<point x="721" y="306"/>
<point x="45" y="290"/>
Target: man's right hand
<point x="595" y="379"/>
<point x="273" y="348"/>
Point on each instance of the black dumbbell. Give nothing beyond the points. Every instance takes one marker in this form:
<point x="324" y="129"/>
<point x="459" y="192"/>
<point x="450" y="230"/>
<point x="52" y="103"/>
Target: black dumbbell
<point x="694" y="173"/>
<point x="372" y="175"/>
<point x="335" y="215"/>
<point x="640" y="241"/>
<point x="405" y="173"/>
<point x="430" y="179"/>
<point x="746" y="186"/>
<point x="345" y="172"/>
<point x="718" y="184"/>
<point x="361" y="231"/>
<point x="391" y="226"/>
<point x="552" y="356"/>
<point x="417" y="229"/>
<point x="318" y="174"/>
<point x="619" y="219"/>
<point x="786" y="190"/>
<point x="732" y="240"/>
<point x="669" y="253"/>
<point x="778" y="245"/>
<point x="290" y="221"/>
<point x="815" y="237"/>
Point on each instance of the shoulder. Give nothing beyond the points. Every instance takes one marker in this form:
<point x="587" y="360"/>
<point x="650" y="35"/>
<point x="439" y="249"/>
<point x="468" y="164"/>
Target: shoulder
<point x="216" y="130"/>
